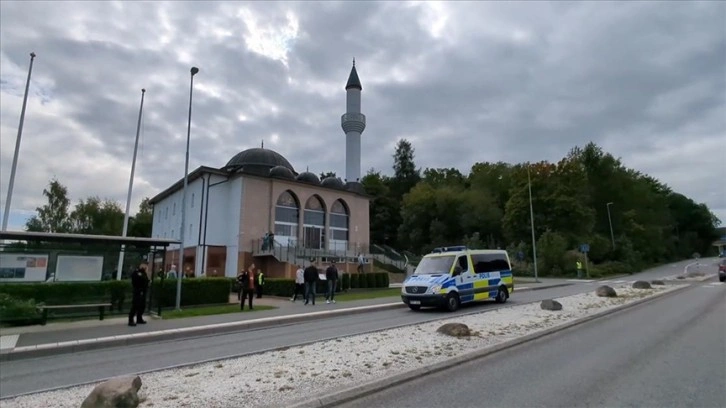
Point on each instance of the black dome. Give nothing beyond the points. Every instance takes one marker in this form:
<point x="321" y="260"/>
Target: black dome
<point x="332" y="182"/>
<point x="308" y="177"/>
<point x="282" y="172"/>
<point x="257" y="160"/>
<point x="355" y="187"/>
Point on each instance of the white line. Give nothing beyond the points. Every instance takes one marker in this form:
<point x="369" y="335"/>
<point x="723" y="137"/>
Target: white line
<point x="520" y="288"/>
<point x="9" y="342"/>
<point x="717" y="283"/>
<point x="581" y="280"/>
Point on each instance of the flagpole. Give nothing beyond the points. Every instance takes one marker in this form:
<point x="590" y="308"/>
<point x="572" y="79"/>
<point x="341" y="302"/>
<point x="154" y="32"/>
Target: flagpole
<point x="131" y="186"/>
<point x="6" y="214"/>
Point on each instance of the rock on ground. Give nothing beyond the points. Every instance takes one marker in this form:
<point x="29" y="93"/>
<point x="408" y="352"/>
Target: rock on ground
<point x="641" y="285"/>
<point x="606" y="291"/>
<point x="550" y="304"/>
<point x="455" y="330"/>
<point x="657" y="282"/>
<point x="120" y="392"/>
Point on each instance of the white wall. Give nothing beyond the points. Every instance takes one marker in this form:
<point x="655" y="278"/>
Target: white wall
<point x="167" y="215"/>
<point x="233" y="220"/>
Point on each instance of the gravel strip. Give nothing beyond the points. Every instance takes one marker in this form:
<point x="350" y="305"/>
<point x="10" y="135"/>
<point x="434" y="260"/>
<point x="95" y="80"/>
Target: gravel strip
<point x="291" y="375"/>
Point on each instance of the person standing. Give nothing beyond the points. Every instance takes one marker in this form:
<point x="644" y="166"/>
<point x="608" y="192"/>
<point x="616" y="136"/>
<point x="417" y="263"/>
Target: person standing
<point x="331" y="275"/>
<point x="311" y="279"/>
<point x="578" y="265"/>
<point x="299" y="283"/>
<point x="259" y="283"/>
<point x="139" y="283"/>
<point x="361" y="263"/>
<point x="247" y="286"/>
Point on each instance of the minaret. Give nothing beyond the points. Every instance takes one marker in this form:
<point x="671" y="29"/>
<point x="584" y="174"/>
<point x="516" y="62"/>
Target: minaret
<point x="353" y="123"/>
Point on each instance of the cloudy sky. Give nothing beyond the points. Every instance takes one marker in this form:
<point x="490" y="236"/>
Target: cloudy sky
<point x="465" y="82"/>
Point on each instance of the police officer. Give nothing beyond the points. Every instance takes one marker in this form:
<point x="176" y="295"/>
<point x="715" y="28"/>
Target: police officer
<point x="139" y="283"/>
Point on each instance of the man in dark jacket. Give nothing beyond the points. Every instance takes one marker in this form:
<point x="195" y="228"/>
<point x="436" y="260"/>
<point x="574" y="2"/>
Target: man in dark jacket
<point x="331" y="275"/>
<point x="139" y="283"/>
<point x="246" y="281"/>
<point x="311" y="279"/>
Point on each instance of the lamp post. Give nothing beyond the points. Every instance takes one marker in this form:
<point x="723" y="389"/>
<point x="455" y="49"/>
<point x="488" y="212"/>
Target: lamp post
<point x="131" y="186"/>
<point x="193" y="71"/>
<point x="531" y="218"/>
<point x="610" y="220"/>
<point x="11" y="183"/>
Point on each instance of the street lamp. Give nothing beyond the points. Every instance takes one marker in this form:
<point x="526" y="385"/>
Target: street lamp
<point x="193" y="71"/>
<point x="6" y="214"/>
<point x="610" y="220"/>
<point x="531" y="218"/>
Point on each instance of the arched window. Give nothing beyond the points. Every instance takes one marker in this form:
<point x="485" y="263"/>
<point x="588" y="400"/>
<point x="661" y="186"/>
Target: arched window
<point x="287" y="219"/>
<point x="339" y="219"/>
<point x="314" y="223"/>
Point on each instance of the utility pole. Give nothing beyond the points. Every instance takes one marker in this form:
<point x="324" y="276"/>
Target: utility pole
<point x="610" y="220"/>
<point x="531" y="218"/>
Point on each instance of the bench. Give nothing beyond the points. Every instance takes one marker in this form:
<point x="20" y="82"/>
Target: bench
<point x="44" y="309"/>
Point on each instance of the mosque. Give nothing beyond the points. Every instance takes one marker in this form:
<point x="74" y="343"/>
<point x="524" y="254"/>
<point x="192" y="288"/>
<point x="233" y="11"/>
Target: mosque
<point x="231" y="210"/>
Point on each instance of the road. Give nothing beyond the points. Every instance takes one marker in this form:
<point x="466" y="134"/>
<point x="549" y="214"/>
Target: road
<point x="667" y="353"/>
<point x="24" y="376"/>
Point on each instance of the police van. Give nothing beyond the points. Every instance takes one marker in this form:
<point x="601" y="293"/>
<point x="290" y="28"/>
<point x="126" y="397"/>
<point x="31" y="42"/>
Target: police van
<point x="451" y="276"/>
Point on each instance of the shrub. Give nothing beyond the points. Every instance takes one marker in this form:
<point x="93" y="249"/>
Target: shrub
<point x="17" y="311"/>
<point x="611" y="268"/>
<point x="354" y="281"/>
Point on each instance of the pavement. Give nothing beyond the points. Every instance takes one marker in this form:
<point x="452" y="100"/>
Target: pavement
<point x="668" y="352"/>
<point x="70" y="337"/>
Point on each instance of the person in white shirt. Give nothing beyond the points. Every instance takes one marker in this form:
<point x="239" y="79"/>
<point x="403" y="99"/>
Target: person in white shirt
<point x="299" y="283"/>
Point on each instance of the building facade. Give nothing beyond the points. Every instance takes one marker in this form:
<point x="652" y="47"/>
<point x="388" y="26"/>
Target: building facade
<point x="230" y="210"/>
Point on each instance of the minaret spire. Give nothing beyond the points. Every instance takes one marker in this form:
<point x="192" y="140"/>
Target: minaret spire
<point x="353" y="123"/>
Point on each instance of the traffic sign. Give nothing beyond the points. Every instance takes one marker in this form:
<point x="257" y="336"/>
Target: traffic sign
<point x="584" y="248"/>
<point x="520" y="256"/>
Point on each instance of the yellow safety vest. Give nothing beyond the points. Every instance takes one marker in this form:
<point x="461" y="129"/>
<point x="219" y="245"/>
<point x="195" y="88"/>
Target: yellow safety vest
<point x="579" y="265"/>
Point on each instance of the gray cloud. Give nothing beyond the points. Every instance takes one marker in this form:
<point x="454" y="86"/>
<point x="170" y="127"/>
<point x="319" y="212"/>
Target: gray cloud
<point x="465" y="82"/>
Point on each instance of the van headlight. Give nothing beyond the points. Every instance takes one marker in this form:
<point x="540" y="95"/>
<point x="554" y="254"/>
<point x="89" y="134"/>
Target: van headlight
<point x="435" y="288"/>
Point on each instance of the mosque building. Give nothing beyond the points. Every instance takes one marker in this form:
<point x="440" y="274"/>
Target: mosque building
<point x="230" y="210"/>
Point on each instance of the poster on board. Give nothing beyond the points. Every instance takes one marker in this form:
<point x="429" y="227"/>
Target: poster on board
<point x="78" y="268"/>
<point x="16" y="267"/>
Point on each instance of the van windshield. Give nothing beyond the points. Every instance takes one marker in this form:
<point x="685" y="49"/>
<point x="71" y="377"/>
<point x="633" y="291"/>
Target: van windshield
<point x="435" y="265"/>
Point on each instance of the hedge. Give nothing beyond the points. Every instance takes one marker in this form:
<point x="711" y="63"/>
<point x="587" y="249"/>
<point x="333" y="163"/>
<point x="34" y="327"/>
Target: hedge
<point x="194" y="292"/>
<point x="286" y="287"/>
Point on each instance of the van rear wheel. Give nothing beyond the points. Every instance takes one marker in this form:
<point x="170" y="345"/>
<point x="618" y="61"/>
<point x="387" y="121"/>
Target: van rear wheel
<point x="502" y="295"/>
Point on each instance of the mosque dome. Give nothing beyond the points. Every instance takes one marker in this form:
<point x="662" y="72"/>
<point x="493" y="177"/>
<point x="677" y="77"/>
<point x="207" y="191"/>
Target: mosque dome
<point x="308" y="177"/>
<point x="257" y="160"/>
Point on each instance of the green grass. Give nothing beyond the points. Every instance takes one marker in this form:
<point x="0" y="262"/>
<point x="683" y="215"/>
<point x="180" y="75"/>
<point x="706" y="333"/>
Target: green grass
<point x="361" y="294"/>
<point x="209" y="310"/>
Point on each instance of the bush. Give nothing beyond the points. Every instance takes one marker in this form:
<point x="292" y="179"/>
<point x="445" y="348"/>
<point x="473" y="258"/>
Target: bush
<point x="611" y="268"/>
<point x="194" y="292"/>
<point x="18" y="311"/>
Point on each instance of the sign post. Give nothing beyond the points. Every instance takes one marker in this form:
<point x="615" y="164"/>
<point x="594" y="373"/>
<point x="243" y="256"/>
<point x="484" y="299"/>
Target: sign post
<point x="585" y="248"/>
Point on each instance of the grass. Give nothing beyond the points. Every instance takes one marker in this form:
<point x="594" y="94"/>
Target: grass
<point x="361" y="294"/>
<point x="209" y="310"/>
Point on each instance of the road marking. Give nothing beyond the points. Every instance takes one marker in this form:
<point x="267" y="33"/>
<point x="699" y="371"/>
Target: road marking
<point x="9" y="342"/>
<point x="712" y="284"/>
<point x="521" y="287"/>
<point x="581" y="280"/>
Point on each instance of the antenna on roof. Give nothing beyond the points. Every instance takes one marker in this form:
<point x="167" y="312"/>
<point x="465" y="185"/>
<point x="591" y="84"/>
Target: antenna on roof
<point x="263" y="143"/>
<point x="353" y="62"/>
<point x="307" y="168"/>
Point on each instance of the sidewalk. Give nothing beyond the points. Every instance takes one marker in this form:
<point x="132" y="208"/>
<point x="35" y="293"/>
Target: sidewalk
<point x="90" y="334"/>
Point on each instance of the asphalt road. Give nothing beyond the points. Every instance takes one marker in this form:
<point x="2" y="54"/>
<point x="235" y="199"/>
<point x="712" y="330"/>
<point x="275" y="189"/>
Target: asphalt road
<point x="667" y="353"/>
<point x="31" y="375"/>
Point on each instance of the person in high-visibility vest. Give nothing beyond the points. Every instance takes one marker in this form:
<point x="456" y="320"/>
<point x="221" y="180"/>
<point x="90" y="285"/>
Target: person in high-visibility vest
<point x="259" y="283"/>
<point x="578" y="264"/>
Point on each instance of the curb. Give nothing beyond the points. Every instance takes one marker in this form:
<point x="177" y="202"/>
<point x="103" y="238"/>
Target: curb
<point x="530" y="288"/>
<point x="75" y="346"/>
<point x="361" y="391"/>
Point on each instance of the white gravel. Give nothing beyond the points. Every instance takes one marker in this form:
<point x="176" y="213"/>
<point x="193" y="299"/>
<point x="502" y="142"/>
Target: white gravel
<point x="286" y="376"/>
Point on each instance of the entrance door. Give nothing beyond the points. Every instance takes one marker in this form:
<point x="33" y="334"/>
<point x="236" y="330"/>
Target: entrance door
<point x="313" y="237"/>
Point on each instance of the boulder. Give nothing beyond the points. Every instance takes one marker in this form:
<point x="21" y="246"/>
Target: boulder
<point x="606" y="291"/>
<point x="119" y="392"/>
<point x="550" y="304"/>
<point x="455" y="330"/>
<point x="657" y="282"/>
<point x="641" y="285"/>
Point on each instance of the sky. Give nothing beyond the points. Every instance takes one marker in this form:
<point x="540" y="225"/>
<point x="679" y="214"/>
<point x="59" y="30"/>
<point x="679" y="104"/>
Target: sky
<point x="464" y="82"/>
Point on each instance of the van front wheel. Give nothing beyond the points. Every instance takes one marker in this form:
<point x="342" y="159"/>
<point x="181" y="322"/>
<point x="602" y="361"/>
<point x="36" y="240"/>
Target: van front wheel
<point x="452" y="302"/>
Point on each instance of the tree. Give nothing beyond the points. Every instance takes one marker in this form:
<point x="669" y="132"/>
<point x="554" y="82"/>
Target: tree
<point x="442" y="177"/>
<point x="96" y="217"/>
<point x="324" y="175"/>
<point x="141" y="224"/>
<point x="53" y="216"/>
<point x="405" y="173"/>
<point x="382" y="210"/>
